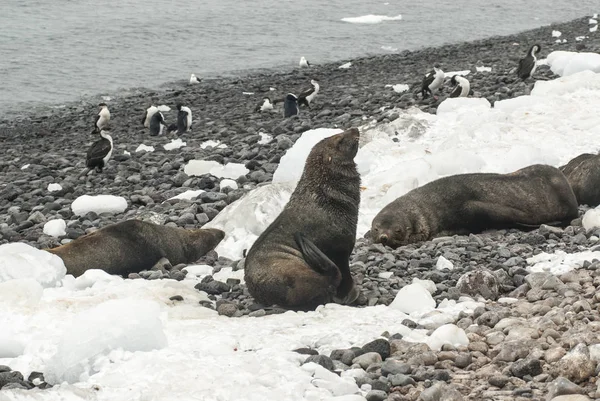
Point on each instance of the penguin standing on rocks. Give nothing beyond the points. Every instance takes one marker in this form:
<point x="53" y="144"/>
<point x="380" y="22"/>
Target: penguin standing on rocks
<point x="102" y="118"/>
<point x="184" y="119"/>
<point x="308" y="95"/>
<point x="528" y="64"/>
<point x="157" y="124"/>
<point x="290" y="105"/>
<point x="99" y="153"/>
<point x="148" y="115"/>
<point x="194" y="79"/>
<point x="264" y="105"/>
<point x="303" y="62"/>
<point x="461" y="88"/>
<point x="432" y="81"/>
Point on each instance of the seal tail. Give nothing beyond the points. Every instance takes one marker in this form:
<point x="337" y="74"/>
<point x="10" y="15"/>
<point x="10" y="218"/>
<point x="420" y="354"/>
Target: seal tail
<point x="315" y="258"/>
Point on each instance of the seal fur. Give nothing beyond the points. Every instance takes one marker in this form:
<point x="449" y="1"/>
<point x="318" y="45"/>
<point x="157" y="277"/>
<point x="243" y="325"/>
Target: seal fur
<point x="583" y="173"/>
<point x="135" y="245"/>
<point x="302" y="259"/>
<point x="471" y="203"/>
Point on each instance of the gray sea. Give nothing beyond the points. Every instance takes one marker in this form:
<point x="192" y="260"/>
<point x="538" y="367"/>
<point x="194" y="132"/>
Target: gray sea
<point x="54" y="51"/>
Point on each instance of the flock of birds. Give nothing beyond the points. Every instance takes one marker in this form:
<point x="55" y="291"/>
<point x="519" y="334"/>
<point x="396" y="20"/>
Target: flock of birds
<point x="101" y="151"/>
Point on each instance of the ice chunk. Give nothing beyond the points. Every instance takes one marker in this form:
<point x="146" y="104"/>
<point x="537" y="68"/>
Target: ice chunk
<point x="145" y="148"/>
<point x="292" y="163"/>
<point x="227" y="183"/>
<point x="175" y="144"/>
<point x="400" y="88"/>
<point x="130" y="325"/>
<point x="201" y="167"/>
<point x="444" y="264"/>
<point x="371" y="19"/>
<point x="227" y="273"/>
<point x="332" y="382"/>
<point x="413" y="298"/>
<point x="189" y="194"/>
<point x="453" y="73"/>
<point x="591" y="219"/>
<point x="594" y="28"/>
<point x="10" y="347"/>
<point x="345" y="66"/>
<point x="53" y="187"/>
<point x="593" y="21"/>
<point x="212" y="144"/>
<point x="95" y="277"/>
<point x="483" y="69"/>
<point x="55" y="228"/>
<point x="264" y="138"/>
<point x="427" y="284"/>
<point x="98" y="204"/>
<point x="199" y="270"/>
<point x="447" y="334"/>
<point x="560" y="262"/>
<point x="19" y="261"/>
<point x="566" y="63"/>
<point x="556" y="34"/>
<point x="25" y="166"/>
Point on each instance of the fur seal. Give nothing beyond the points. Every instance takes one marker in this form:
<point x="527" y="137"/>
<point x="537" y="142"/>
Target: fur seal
<point x="471" y="203"/>
<point x="583" y="173"/>
<point x="135" y="245"/>
<point x="302" y="259"/>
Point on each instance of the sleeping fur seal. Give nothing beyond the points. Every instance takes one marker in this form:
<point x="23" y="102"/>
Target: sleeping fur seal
<point x="302" y="259"/>
<point x="583" y="173"/>
<point x="134" y="245"/>
<point x="471" y="203"/>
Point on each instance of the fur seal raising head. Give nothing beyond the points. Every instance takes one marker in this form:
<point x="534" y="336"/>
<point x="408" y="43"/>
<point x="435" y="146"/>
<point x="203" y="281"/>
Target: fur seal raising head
<point x="471" y="203"/>
<point x="302" y="259"/>
<point x="134" y="245"/>
<point x="583" y="173"/>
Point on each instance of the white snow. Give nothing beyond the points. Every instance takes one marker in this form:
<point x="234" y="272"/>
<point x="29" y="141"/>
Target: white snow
<point x="126" y="152"/>
<point x="591" y="219"/>
<point x="371" y="19"/>
<point x="264" y="138"/>
<point x="345" y="66"/>
<point x="556" y="34"/>
<point x="398" y="88"/>
<point x="175" y="144"/>
<point x="227" y="183"/>
<point x="444" y="264"/>
<point x="55" y="228"/>
<point x="483" y="69"/>
<point x="201" y="167"/>
<point x="389" y="48"/>
<point x="447" y="334"/>
<point x="466" y="136"/>
<point x="413" y="298"/>
<point x="53" y="187"/>
<point x="565" y="63"/>
<point x="189" y="194"/>
<point x="21" y="261"/>
<point x="145" y="148"/>
<point x="99" y="204"/>
<point x="248" y="93"/>
<point x="212" y="144"/>
<point x="560" y="262"/>
<point x="25" y="166"/>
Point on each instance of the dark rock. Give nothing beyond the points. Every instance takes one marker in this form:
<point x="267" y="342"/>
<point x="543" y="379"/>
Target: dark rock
<point x="322" y="360"/>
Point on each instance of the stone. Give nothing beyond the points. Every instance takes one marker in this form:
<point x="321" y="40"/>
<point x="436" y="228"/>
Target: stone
<point x="322" y="360"/>
<point x="376" y="395"/>
<point x="366" y="360"/>
<point x="479" y="282"/>
<point x="498" y="380"/>
<point x="563" y="386"/>
<point x="576" y="365"/>
<point x="381" y="346"/>
<point x="214" y="287"/>
<point x="401" y="380"/>
<point x="394" y="367"/>
<point x="526" y="367"/>
<point x="577" y="397"/>
<point x="10" y="377"/>
<point x="227" y="309"/>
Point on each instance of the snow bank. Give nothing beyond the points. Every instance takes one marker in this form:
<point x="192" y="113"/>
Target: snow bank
<point x="55" y="228"/>
<point x="371" y="19"/>
<point x="98" y="204"/>
<point x="22" y="261"/>
<point x="201" y="167"/>
<point x="565" y="63"/>
<point x="86" y="344"/>
<point x="175" y="144"/>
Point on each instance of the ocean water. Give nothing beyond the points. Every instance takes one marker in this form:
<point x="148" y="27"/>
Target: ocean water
<point x="62" y="50"/>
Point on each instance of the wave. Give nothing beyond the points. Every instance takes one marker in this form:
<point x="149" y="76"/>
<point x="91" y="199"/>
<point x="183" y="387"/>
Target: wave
<point x="371" y="19"/>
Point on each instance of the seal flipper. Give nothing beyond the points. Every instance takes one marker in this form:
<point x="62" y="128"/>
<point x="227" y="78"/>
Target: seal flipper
<point x="315" y="258"/>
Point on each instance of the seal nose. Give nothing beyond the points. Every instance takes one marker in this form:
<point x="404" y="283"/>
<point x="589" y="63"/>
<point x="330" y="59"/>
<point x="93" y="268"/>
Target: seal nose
<point x="383" y="239"/>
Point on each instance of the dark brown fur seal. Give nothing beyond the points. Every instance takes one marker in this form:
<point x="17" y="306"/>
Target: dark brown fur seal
<point x="134" y="245"/>
<point x="583" y="173"/>
<point x="302" y="259"/>
<point x="471" y="203"/>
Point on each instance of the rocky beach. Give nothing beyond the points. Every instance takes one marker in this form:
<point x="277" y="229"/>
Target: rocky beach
<point x="532" y="335"/>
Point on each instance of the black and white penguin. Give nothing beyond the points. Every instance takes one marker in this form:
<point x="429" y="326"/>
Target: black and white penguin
<point x="290" y="105"/>
<point x="461" y="88"/>
<point x="157" y="124"/>
<point x="304" y="62"/>
<point x="432" y="81"/>
<point x="148" y="115"/>
<point x="308" y="95"/>
<point x="264" y="105"/>
<point x="194" y="79"/>
<point x="102" y="118"/>
<point x="528" y="64"/>
<point x="184" y="119"/>
<point x="99" y="153"/>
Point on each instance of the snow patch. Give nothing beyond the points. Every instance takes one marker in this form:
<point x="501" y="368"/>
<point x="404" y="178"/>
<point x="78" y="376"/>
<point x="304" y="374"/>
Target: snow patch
<point x="145" y="148"/>
<point x="371" y="19"/>
<point x="201" y="167"/>
<point x="189" y="194"/>
<point x="264" y="138"/>
<point x="447" y="334"/>
<point x="483" y="69"/>
<point x="556" y="34"/>
<point x="175" y="144"/>
<point x="345" y="66"/>
<point x="98" y="204"/>
<point x="560" y="262"/>
<point x="213" y="144"/>
<point x="399" y="88"/>
<point x="566" y="63"/>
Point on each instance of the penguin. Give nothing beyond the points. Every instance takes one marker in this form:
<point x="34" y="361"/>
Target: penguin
<point x="264" y="105"/>
<point x="184" y="119"/>
<point x="290" y="106"/>
<point x="308" y="95"/>
<point x="102" y="118"/>
<point x="157" y="124"/>
<point x="194" y="79"/>
<point x="432" y="81"/>
<point x="99" y="153"/>
<point x="303" y="62"/>
<point x="461" y="88"/>
<point x="528" y="64"/>
<point x="148" y="115"/>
